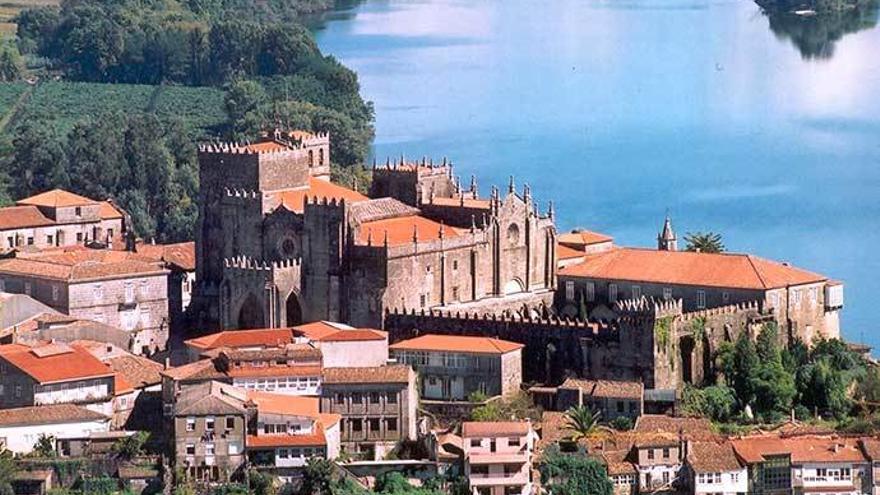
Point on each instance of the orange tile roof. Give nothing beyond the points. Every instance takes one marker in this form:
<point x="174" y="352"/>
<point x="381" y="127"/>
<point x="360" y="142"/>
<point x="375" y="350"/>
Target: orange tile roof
<point x="457" y="343"/>
<point x="317" y="330"/>
<point x="690" y="428"/>
<point x="606" y="388"/>
<point x="583" y="238"/>
<point x="400" y="230"/>
<point x="292" y="405"/>
<point x="121" y="386"/>
<point x="471" y="429"/>
<point x="355" y="335"/>
<point x="713" y="457"/>
<point x="258" y="337"/>
<point x="56" y="198"/>
<point x="108" y="211"/>
<point x="293" y="199"/>
<point x="741" y="271"/>
<point x="49" y="414"/>
<point x="15" y="217"/>
<point x="314" y="439"/>
<point x="78" y="264"/>
<point x="181" y="254"/>
<point x="564" y="252"/>
<point x="824" y="448"/>
<point x="54" y="362"/>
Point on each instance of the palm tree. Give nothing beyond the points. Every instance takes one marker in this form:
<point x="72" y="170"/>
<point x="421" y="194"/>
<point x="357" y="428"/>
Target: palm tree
<point x="581" y="421"/>
<point x="704" y="242"/>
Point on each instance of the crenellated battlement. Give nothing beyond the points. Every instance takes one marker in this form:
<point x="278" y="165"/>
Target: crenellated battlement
<point x="424" y="168"/>
<point x="242" y="193"/>
<point x="248" y="264"/>
<point x="646" y="306"/>
<point x="732" y="309"/>
<point x="276" y="143"/>
<point x="593" y="326"/>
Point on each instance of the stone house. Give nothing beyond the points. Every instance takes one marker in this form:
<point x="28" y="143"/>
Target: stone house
<point x="21" y="427"/>
<point x="660" y="447"/>
<point x="871" y="448"/>
<point x="498" y="457"/>
<point x="56" y="373"/>
<point x="59" y="218"/>
<point x="288" y="431"/>
<point x="209" y="422"/>
<point x="292" y="369"/>
<point x="452" y="367"/>
<point x="180" y="261"/>
<point x="611" y="398"/>
<point x="713" y="467"/>
<point x="804" y="304"/>
<point x="377" y="405"/>
<point x="278" y="244"/>
<point x="117" y="288"/>
<point x="804" y="464"/>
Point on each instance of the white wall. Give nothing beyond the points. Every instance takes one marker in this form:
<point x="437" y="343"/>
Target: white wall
<point x="731" y="482"/>
<point x="21" y="439"/>
<point x="287" y="386"/>
<point x="354" y="354"/>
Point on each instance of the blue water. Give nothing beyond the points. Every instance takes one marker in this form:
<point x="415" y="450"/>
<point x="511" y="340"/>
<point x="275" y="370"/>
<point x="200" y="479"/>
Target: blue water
<point x="619" y="110"/>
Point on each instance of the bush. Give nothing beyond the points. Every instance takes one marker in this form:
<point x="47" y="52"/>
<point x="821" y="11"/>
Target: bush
<point x="622" y="423"/>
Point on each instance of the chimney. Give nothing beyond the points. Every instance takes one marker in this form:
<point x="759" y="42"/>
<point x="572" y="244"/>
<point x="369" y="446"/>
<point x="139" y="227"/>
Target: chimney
<point x="167" y="362"/>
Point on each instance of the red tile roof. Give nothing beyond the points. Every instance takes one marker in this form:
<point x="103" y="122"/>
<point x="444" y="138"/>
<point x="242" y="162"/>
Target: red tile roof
<point x="76" y="264"/>
<point x="108" y="211"/>
<point x="457" y="343"/>
<point x="482" y="204"/>
<point x="606" y="388"/>
<point x="270" y="403"/>
<point x="181" y="254"/>
<point x="233" y="339"/>
<point x="741" y="271"/>
<point x="49" y="414"/>
<point x="56" y="198"/>
<point x="314" y="439"/>
<point x="355" y="335"/>
<point x="400" y="230"/>
<point x="395" y="373"/>
<point x="690" y="428"/>
<point x="825" y="448"/>
<point x="293" y="199"/>
<point x="483" y="429"/>
<point x="583" y="238"/>
<point x="55" y="362"/>
<point x="15" y="217"/>
<point x="713" y="457"/>
<point x="564" y="252"/>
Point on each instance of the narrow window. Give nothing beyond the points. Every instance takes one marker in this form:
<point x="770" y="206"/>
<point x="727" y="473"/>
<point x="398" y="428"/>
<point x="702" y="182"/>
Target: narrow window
<point x="612" y="292"/>
<point x="701" y="299"/>
<point x="636" y="291"/>
<point x="569" y="290"/>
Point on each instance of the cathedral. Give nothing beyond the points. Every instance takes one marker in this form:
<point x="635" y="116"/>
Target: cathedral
<point x="278" y="244"/>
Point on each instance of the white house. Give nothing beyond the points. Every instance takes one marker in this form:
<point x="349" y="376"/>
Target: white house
<point x="498" y="456"/>
<point x="20" y="428"/>
<point x="714" y="469"/>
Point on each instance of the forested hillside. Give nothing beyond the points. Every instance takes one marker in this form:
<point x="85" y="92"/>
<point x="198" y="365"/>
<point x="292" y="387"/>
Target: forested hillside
<point x="118" y="92"/>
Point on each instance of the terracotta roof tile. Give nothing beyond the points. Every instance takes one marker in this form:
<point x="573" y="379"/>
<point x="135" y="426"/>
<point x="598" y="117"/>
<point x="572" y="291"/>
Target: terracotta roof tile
<point x="396" y="373"/>
<point x="139" y="371"/>
<point x="48" y="414"/>
<point x="606" y="388"/>
<point x="356" y="335"/>
<point x="483" y="429"/>
<point x="293" y="199"/>
<point x="400" y="230"/>
<point x="51" y="363"/>
<point x="285" y="404"/>
<point x="741" y="271"/>
<point x="108" y="211"/>
<point x="457" y="343"/>
<point x="181" y="255"/>
<point x="259" y="337"/>
<point x="583" y="238"/>
<point x="56" y="198"/>
<point x="318" y="330"/>
<point x="564" y="252"/>
<point x="480" y="204"/>
<point x="16" y="217"/>
<point x="690" y="428"/>
<point x="75" y="265"/>
<point x="712" y="457"/>
<point x="871" y="448"/>
<point x="314" y="439"/>
<point x="819" y="448"/>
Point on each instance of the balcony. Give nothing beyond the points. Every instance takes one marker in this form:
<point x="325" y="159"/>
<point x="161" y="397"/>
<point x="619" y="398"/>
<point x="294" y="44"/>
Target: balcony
<point x="498" y="479"/>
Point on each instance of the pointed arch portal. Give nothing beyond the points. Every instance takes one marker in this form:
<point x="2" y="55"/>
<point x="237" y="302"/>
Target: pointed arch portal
<point x="293" y="310"/>
<point x="251" y="313"/>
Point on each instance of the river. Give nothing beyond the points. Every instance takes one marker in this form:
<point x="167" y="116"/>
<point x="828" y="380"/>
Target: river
<point x="764" y="130"/>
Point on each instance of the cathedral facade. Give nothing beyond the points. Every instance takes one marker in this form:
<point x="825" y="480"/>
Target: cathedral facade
<point x="279" y="244"/>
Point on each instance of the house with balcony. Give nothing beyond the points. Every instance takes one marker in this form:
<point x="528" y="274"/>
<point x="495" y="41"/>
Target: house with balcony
<point x="827" y="464"/>
<point x="208" y="426"/>
<point x="287" y="431"/>
<point x="498" y="457"/>
<point x="291" y="369"/>
<point x="803" y="303"/>
<point x="341" y="345"/>
<point x="714" y="468"/>
<point x="59" y="218"/>
<point x="452" y="367"/>
<point x="610" y="398"/>
<point x="57" y="373"/>
<point x="117" y="288"/>
<point x="377" y="406"/>
<point x="21" y="427"/>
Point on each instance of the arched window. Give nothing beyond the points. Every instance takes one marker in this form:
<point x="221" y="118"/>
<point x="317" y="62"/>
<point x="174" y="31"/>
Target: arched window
<point x="311" y="158"/>
<point x="513" y="234"/>
<point x="320" y="157"/>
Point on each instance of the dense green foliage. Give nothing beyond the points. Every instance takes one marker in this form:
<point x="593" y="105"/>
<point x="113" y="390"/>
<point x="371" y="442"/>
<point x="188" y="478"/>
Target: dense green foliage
<point x="573" y="474"/>
<point x="519" y="406"/>
<point x="7" y="472"/>
<point x="774" y="380"/>
<point x="581" y="422"/>
<point x="144" y="80"/>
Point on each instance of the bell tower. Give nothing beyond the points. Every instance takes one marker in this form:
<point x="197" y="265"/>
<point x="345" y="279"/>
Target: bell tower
<point x="666" y="240"/>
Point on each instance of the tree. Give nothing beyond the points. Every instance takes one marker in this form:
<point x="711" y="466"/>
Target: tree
<point x="704" y="242"/>
<point x="245" y="102"/>
<point x="95" y="155"/>
<point x="581" y="421"/>
<point x="131" y="446"/>
<point x="7" y="472"/>
<point x="573" y="474"/>
<point x="715" y="402"/>
<point x="745" y="362"/>
<point x="317" y="477"/>
<point x="11" y="64"/>
<point x="772" y="384"/>
<point x="39" y="162"/>
<point x="45" y="446"/>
